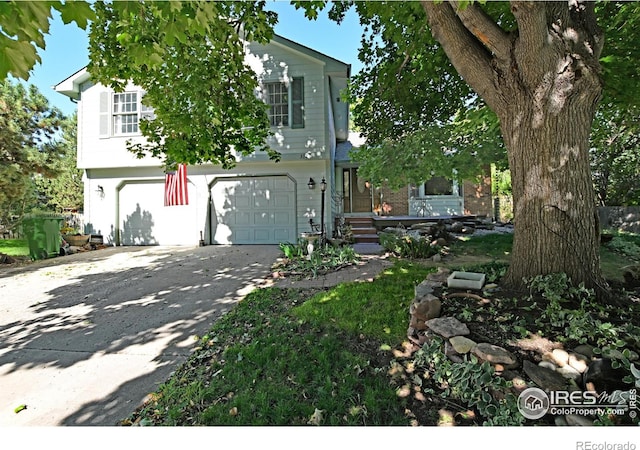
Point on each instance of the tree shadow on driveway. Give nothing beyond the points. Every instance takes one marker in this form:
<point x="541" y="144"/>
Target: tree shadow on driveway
<point x="83" y="343"/>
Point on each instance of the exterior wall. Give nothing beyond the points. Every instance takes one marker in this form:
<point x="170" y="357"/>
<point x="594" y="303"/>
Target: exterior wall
<point x="399" y="200"/>
<point x="477" y="196"/>
<point x="103" y="188"/>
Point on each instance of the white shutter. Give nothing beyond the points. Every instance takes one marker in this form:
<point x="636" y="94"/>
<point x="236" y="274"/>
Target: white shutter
<point x="105" y="115"/>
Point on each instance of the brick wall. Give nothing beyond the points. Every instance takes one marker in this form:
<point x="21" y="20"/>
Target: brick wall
<point x="399" y="200"/>
<point x="477" y="195"/>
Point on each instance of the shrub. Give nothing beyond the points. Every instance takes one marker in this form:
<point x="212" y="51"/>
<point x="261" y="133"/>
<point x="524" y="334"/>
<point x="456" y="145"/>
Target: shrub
<point x="408" y="246"/>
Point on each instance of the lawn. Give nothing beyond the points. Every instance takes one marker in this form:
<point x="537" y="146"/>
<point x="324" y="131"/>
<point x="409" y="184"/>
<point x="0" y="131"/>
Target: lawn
<point x="338" y="356"/>
<point x="14" y="247"/>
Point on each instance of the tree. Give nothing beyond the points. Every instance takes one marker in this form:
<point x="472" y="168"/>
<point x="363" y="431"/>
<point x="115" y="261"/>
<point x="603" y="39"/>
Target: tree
<point x="23" y="26"/>
<point x="189" y="58"/>
<point x="28" y="129"/>
<point x="537" y="66"/>
<point x="615" y="156"/>
<point x="65" y="190"/>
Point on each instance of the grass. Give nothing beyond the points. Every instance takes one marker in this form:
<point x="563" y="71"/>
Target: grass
<point x="330" y="357"/>
<point x="14" y="247"/>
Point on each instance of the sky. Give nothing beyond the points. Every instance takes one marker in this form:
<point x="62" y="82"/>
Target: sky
<point x="67" y="46"/>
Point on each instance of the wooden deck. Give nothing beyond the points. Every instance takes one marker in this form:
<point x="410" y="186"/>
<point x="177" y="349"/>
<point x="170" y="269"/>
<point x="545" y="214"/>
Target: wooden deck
<point x="382" y="222"/>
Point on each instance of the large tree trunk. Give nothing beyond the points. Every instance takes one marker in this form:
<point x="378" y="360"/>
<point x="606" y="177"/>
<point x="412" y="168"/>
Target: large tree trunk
<point x="544" y="83"/>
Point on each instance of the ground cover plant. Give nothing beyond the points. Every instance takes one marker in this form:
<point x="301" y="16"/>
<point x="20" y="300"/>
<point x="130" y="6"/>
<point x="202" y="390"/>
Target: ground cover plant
<point x="340" y="356"/>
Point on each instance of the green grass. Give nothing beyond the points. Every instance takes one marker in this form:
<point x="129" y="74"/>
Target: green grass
<point x="14" y="247"/>
<point x="266" y="363"/>
<point x="300" y="357"/>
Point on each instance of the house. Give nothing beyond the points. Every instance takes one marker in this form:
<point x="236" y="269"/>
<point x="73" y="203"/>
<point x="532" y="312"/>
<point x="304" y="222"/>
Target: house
<point x="258" y="201"/>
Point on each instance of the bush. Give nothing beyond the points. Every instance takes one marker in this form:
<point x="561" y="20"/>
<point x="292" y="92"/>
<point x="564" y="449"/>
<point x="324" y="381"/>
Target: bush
<point x="407" y="246"/>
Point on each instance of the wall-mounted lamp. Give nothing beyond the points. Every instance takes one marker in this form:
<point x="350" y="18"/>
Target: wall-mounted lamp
<point x="311" y="183"/>
<point x="323" y="185"/>
<point x="100" y="191"/>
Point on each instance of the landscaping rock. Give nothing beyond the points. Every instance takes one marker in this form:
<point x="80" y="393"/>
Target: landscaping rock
<point x="462" y="344"/>
<point x="547" y="365"/>
<point x="578" y="362"/>
<point x="557" y="356"/>
<point x="427" y="308"/>
<point x="569" y="373"/>
<point x="440" y="276"/>
<point x="448" y="327"/>
<point x="604" y="377"/>
<point x="494" y="354"/>
<point x="423" y="289"/>
<point x="546" y="379"/>
<point x="584" y="349"/>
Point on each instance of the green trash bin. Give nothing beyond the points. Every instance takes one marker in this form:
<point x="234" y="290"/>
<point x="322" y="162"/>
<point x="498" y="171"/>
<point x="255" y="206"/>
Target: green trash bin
<point x="43" y="235"/>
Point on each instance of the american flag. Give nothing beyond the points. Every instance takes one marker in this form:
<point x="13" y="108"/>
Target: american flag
<point x="175" y="187"/>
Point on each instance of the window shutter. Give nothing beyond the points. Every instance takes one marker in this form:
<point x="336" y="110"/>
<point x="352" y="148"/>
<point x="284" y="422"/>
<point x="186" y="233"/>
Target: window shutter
<point x="297" y="102"/>
<point x="105" y="115"/>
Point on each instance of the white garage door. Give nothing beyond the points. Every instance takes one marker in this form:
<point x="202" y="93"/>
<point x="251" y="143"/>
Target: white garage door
<point x="144" y="220"/>
<point x="257" y="210"/>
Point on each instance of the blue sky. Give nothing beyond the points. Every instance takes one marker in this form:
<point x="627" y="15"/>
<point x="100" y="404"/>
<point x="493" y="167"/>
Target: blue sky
<point x="67" y="52"/>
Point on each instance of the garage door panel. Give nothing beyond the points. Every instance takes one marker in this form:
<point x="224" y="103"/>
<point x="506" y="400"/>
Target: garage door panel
<point x="263" y="211"/>
<point x="144" y="220"/>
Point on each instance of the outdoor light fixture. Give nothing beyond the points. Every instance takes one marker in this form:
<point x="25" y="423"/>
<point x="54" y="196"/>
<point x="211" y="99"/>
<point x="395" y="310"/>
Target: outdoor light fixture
<point x="311" y="183"/>
<point x="323" y="187"/>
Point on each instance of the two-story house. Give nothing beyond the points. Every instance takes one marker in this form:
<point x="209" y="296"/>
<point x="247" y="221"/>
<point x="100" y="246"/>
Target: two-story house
<point x="259" y="201"/>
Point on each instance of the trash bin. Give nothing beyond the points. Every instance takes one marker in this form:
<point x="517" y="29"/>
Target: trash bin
<point x="43" y="235"/>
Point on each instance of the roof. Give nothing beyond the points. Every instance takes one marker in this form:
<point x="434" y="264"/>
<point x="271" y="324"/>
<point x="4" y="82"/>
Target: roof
<point x="343" y="148"/>
<point x="71" y="85"/>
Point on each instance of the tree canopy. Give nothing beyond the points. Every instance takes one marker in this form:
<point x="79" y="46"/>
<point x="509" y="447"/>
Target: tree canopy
<point x="29" y="145"/>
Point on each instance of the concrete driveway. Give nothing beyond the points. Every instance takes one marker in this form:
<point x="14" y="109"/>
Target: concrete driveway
<point x="84" y="338"/>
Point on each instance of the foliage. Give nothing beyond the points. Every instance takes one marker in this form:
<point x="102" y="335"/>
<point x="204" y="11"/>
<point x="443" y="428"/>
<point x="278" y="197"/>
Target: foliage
<point x="23" y="26"/>
<point x="169" y="49"/>
<point x="324" y="258"/>
<point x="408" y="246"/>
<point x="472" y="382"/>
<point x="615" y="155"/>
<point x="65" y="190"/>
<point x="28" y="147"/>
<point x="626" y="247"/>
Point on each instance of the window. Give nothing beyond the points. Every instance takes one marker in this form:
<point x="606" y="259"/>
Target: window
<point x="438" y="186"/>
<point x="121" y="113"/>
<point x="283" y="112"/>
<point x="125" y="113"/>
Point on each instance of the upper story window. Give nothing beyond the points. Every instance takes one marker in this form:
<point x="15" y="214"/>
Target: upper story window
<point x="125" y="113"/>
<point x="286" y="103"/>
<point x="121" y="112"/>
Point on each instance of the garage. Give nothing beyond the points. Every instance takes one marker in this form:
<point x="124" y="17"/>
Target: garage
<point x="257" y="210"/>
<point x="144" y="220"/>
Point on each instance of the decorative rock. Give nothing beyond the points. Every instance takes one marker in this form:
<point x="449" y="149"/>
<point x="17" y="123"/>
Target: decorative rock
<point x="462" y="344"/>
<point x="578" y="362"/>
<point x="577" y="420"/>
<point x="490" y="287"/>
<point x="448" y="327"/>
<point x="427" y="308"/>
<point x="546" y="379"/>
<point x="494" y="354"/>
<point x="423" y="289"/>
<point x="569" y="372"/>
<point x="604" y="377"/>
<point x="547" y="365"/>
<point x="440" y="276"/>
<point x="559" y="357"/>
<point x="584" y="349"/>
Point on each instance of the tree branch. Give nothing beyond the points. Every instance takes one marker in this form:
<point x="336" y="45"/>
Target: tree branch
<point x="485" y="30"/>
<point x="470" y="58"/>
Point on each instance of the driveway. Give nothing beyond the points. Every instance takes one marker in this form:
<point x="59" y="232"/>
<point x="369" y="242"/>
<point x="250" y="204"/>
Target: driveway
<point x="84" y="338"/>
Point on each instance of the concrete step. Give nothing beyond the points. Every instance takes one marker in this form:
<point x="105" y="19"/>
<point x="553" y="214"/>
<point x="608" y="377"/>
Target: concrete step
<point x="366" y="238"/>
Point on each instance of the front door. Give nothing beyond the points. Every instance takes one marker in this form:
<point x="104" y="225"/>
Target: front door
<point x="356" y="192"/>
